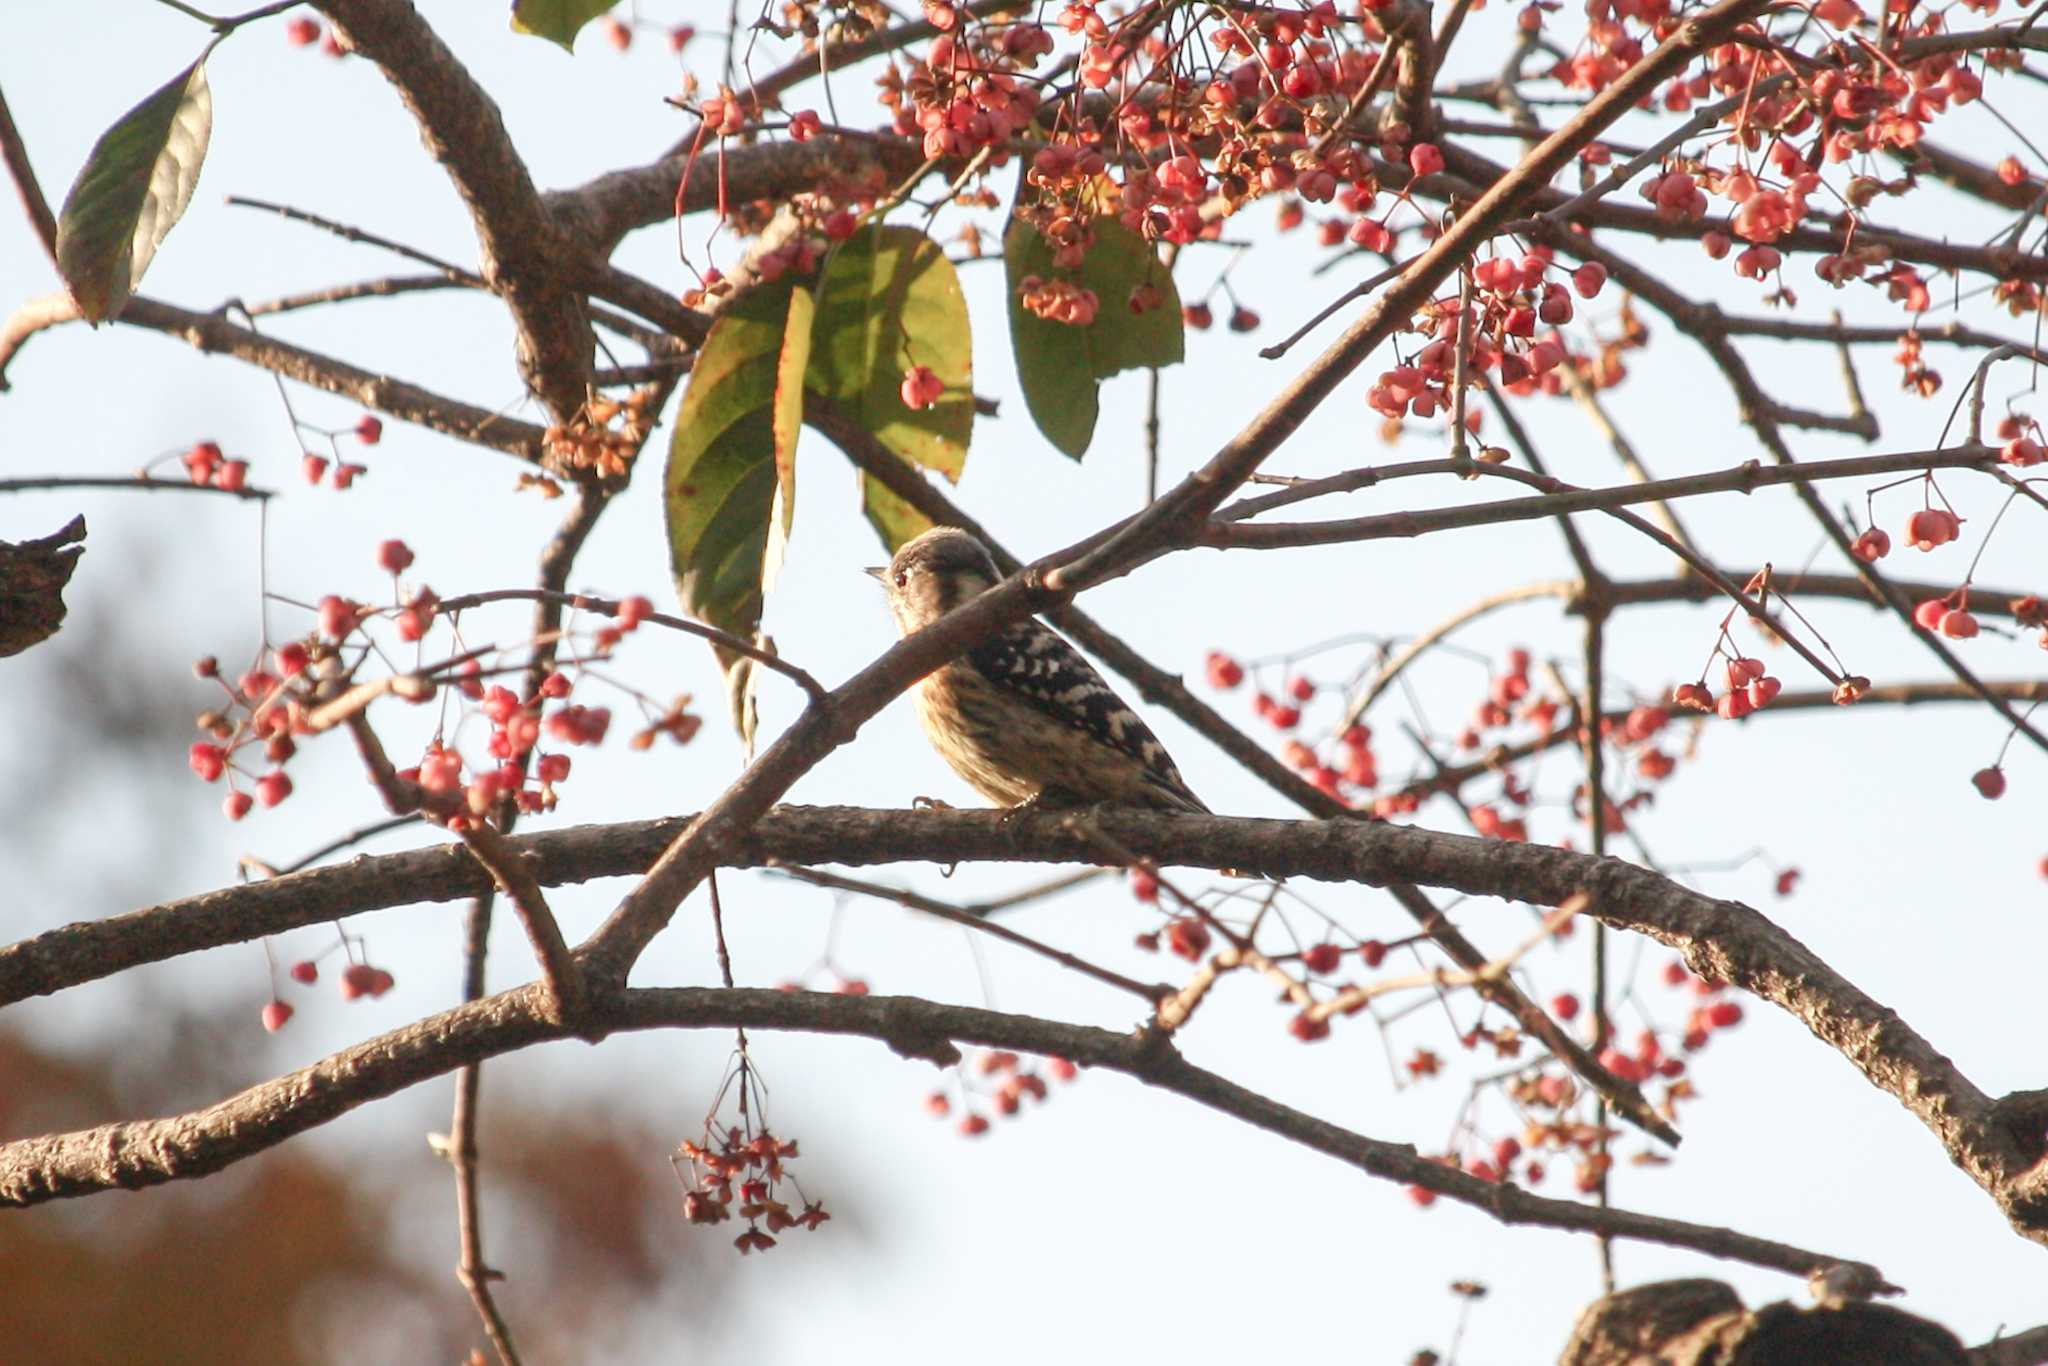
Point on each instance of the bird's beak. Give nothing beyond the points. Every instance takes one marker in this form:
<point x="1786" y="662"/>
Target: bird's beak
<point x="876" y="571"/>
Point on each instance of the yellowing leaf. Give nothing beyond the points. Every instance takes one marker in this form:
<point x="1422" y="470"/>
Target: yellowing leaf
<point x="729" y="490"/>
<point x="558" y="21"/>
<point x="136" y="184"/>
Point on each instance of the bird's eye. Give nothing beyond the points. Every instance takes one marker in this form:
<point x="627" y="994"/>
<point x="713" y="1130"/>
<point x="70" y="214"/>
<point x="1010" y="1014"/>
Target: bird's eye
<point x="902" y="578"/>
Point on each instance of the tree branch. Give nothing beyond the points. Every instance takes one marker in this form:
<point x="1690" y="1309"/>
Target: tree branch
<point x="150" y="1152"/>
<point x="1721" y="939"/>
<point x="521" y="250"/>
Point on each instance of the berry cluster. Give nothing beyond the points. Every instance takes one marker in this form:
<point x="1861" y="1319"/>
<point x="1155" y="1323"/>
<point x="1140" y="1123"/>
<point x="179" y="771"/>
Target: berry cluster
<point x="997" y="1085"/>
<point x="732" y="1173"/>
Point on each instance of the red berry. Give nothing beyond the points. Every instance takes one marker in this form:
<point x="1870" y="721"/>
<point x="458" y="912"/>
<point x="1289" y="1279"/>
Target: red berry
<point x="1284" y="718"/>
<point x="304" y="32"/>
<point x="236" y="805"/>
<point x="201" y="461"/>
<point x="1930" y="527"/>
<point x="1927" y="616"/>
<point x="1243" y="320"/>
<point x="338" y="616"/>
<point x="208" y="761"/>
<point x="1197" y="316"/>
<point x="345" y="474"/>
<point x="394" y="557"/>
<point x="973" y="1126"/>
<point x="1189" y="938"/>
<point x="1300" y="689"/>
<point x="1144" y="885"/>
<point x="1589" y="279"/>
<point x="617" y="33"/>
<point x="1308" y="1029"/>
<point x="357" y="981"/>
<point x="1425" y="158"/>
<point x="632" y="611"/>
<point x="369" y="429"/>
<point x="1372" y="952"/>
<point x="1565" y="1006"/>
<point x="1694" y="695"/>
<point x="1224" y="672"/>
<point x="275" y="1014"/>
<point x="291" y="659"/>
<point x="1872" y="546"/>
<point x="233" y="475"/>
<point x="273" y="787"/>
<point x="921" y="388"/>
<point x="1990" y="782"/>
<point x="305" y="972"/>
<point x="1322" y="958"/>
<point x="1724" y="1014"/>
<point x="1958" y="624"/>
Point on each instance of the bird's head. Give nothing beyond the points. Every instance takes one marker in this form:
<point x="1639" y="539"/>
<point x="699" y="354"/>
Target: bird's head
<point x="934" y="573"/>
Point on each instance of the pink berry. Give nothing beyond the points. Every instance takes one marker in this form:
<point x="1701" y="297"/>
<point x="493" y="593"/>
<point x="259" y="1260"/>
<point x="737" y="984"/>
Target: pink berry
<point x="273" y="787"/>
<point x="208" y="761"/>
<point x="1589" y="279"/>
<point x="236" y="805"/>
<point x="233" y="476"/>
<point x="357" y="980"/>
<point x="338" y="617"/>
<point x="1958" y="624"/>
<point x="275" y="1014"/>
<point x="1425" y="158"/>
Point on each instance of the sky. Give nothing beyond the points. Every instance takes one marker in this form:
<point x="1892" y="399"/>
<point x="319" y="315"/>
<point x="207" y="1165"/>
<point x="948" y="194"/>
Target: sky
<point x="1114" y="1216"/>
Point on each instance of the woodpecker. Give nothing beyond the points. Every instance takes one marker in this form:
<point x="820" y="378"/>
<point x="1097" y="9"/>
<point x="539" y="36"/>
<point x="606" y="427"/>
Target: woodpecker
<point x="1022" y="716"/>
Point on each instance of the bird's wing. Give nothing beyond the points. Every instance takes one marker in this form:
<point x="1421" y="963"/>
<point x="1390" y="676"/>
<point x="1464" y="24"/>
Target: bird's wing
<point x="1035" y="664"/>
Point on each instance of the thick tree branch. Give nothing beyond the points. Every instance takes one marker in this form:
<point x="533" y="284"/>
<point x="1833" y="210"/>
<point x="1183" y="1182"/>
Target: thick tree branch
<point x="150" y="1152"/>
<point x="1721" y="939"/>
<point x="521" y="250"/>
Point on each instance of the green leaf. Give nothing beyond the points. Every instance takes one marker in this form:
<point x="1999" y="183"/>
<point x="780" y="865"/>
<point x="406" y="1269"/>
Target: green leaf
<point x="1061" y="366"/>
<point x="558" y="21"/>
<point x="135" y="186"/>
<point x="889" y="299"/>
<point x="730" y="487"/>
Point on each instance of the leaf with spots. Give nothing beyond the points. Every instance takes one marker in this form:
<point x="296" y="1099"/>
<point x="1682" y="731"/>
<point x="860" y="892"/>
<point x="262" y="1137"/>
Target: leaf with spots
<point x="730" y="487"/>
